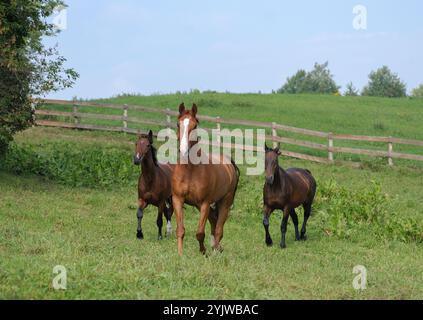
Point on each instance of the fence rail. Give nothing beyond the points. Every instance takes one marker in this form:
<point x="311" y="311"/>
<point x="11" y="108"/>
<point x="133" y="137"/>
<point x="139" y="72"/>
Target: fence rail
<point x="331" y="150"/>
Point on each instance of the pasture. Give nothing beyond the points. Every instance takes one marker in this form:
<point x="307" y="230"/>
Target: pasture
<point x="63" y="203"/>
<point x="367" y="116"/>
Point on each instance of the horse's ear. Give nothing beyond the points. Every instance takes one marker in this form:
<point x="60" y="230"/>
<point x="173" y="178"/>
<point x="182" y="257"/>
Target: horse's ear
<point x="266" y="148"/>
<point x="194" y="109"/>
<point x="181" y="108"/>
<point x="150" y="137"/>
<point x="278" y="149"/>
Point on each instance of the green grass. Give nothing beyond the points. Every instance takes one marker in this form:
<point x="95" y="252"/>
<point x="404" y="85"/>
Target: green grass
<point x="92" y="233"/>
<point x="400" y="118"/>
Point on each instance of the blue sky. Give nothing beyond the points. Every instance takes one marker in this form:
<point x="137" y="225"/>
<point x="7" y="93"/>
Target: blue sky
<point x="241" y="46"/>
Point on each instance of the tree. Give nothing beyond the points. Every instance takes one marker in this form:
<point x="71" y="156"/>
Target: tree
<point x="319" y="81"/>
<point x="294" y="84"/>
<point x="28" y="69"/>
<point x="351" y="90"/>
<point x="417" y="92"/>
<point x="384" y="83"/>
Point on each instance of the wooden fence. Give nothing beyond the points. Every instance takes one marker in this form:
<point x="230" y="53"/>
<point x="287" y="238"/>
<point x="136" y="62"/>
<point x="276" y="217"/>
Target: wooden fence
<point x="328" y="147"/>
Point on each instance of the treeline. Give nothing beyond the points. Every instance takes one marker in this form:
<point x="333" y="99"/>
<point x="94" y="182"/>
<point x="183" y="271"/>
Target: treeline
<point x="382" y="83"/>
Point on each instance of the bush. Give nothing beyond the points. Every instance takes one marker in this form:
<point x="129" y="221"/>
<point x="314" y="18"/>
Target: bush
<point x="384" y="83"/>
<point x="27" y="68"/>
<point x="319" y="81"/>
<point x="62" y="162"/>
<point x="351" y="90"/>
<point x="344" y="212"/>
<point x="417" y="92"/>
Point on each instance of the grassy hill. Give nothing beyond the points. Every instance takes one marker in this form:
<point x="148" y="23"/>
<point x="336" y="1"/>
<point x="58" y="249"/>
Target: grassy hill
<point x="347" y="115"/>
<point x="369" y="116"/>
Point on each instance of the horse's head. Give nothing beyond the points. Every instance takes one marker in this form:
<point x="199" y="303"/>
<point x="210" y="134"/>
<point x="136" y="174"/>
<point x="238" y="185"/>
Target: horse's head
<point x="143" y="146"/>
<point x="271" y="163"/>
<point x="187" y="122"/>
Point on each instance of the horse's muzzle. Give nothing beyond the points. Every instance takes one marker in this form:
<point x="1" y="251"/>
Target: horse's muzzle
<point x="269" y="180"/>
<point x="137" y="160"/>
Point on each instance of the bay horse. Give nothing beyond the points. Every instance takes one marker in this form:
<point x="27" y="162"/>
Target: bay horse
<point x="209" y="187"/>
<point x="154" y="184"/>
<point x="286" y="190"/>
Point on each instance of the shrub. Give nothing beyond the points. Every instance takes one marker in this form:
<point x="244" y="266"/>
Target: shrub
<point x="209" y="103"/>
<point x="384" y="83"/>
<point x="351" y="90"/>
<point x="417" y="92"/>
<point x="319" y="81"/>
<point x="62" y="162"/>
<point x="27" y="68"/>
<point x="344" y="212"/>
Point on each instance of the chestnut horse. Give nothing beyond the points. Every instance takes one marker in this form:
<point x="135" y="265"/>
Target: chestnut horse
<point x="154" y="184"/>
<point x="286" y="190"/>
<point x="209" y="187"/>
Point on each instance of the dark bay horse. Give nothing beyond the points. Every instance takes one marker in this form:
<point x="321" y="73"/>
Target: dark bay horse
<point x="154" y="184"/>
<point x="286" y="190"/>
<point x="209" y="187"/>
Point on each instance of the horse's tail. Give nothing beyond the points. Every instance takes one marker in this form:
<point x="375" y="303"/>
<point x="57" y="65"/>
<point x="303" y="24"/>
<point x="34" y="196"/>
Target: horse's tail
<point x="238" y="173"/>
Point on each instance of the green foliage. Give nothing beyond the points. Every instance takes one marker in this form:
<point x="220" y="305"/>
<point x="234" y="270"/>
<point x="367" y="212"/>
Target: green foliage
<point x="63" y="162"/>
<point x="295" y="84"/>
<point x="344" y="212"/>
<point x="27" y="68"/>
<point x="384" y="83"/>
<point x="351" y="90"/>
<point x="417" y="92"/>
<point x="319" y="81"/>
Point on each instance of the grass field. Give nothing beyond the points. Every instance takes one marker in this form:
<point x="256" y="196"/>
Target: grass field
<point x="370" y="116"/>
<point x="91" y="231"/>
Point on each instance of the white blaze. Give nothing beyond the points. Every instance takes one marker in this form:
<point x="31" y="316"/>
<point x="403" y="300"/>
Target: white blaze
<point x="184" y="140"/>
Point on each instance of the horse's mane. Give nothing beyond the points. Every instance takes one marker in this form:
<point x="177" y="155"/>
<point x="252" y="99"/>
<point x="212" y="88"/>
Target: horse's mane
<point x="154" y="155"/>
<point x="153" y="151"/>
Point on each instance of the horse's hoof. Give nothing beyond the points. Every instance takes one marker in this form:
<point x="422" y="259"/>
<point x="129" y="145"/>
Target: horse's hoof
<point x="303" y="237"/>
<point x="269" y="243"/>
<point x="283" y="246"/>
<point x="297" y="238"/>
<point x="159" y="238"/>
<point x="140" y="235"/>
<point x="219" y="249"/>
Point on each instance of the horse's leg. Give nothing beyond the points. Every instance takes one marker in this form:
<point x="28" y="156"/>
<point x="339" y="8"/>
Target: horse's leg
<point x="180" y="229"/>
<point x="223" y="208"/>
<point x="201" y="231"/>
<point x="213" y="220"/>
<point x="294" y="218"/>
<point x="284" y="224"/>
<point x="169" y="213"/>
<point x="160" y="210"/>
<point x="307" y="211"/>
<point x="266" y="215"/>
<point x="140" y="213"/>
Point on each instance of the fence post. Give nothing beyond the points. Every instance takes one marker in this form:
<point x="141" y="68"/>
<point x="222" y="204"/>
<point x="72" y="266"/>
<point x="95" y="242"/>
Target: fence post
<point x="330" y="146"/>
<point x="274" y="135"/>
<point x="390" y="150"/>
<point x="75" y="113"/>
<point x="34" y="119"/>
<point x="218" y="128"/>
<point x="168" y="119"/>
<point x="125" y="118"/>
